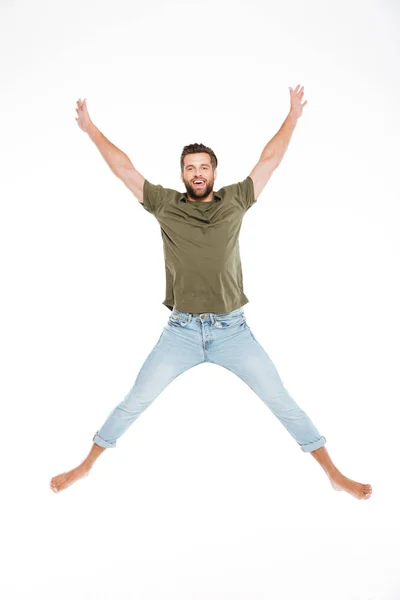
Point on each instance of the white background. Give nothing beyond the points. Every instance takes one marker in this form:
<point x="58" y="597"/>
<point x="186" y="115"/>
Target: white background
<point x="206" y="495"/>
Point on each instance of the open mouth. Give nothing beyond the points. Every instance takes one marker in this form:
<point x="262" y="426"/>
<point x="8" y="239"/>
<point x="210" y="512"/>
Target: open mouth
<point x="198" y="183"/>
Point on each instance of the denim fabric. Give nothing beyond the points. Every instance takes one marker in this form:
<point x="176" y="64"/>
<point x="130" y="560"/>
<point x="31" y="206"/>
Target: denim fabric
<point x="224" y="339"/>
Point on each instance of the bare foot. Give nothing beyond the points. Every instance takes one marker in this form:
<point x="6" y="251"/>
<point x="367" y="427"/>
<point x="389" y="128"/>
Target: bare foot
<point x="60" y="482"/>
<point x="358" y="490"/>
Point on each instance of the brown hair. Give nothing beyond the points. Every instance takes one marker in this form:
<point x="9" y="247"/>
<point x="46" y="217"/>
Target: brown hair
<point x="194" y="148"/>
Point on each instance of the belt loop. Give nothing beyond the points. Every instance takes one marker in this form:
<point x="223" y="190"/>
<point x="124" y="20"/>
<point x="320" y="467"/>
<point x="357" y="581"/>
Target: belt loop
<point x="190" y="317"/>
<point x="212" y="318"/>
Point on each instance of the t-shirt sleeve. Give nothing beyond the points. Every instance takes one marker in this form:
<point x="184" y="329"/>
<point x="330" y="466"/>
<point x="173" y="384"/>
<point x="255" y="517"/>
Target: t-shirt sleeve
<point x="153" y="196"/>
<point x="246" y="193"/>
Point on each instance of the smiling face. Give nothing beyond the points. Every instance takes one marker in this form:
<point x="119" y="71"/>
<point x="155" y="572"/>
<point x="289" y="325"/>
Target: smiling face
<point x="197" y="167"/>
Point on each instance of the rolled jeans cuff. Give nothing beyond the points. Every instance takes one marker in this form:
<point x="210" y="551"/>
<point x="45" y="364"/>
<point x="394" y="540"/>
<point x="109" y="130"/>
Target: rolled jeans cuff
<point x="100" y="442"/>
<point x="314" y="445"/>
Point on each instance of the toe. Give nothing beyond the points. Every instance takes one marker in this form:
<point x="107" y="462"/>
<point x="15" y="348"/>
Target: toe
<point x="54" y="485"/>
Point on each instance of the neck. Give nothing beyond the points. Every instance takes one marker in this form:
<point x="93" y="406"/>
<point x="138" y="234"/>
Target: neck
<point x="208" y="198"/>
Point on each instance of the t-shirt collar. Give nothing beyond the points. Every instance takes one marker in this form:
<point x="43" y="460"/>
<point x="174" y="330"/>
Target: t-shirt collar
<point x="183" y="198"/>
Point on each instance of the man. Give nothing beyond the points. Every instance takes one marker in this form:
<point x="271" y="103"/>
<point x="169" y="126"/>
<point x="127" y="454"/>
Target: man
<point x="204" y="291"/>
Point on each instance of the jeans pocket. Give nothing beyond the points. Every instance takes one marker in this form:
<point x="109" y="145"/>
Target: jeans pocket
<point x="230" y="322"/>
<point x="177" y="321"/>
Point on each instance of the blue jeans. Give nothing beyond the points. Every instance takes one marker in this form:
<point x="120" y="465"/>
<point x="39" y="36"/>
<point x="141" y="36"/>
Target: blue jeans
<point x="224" y="339"/>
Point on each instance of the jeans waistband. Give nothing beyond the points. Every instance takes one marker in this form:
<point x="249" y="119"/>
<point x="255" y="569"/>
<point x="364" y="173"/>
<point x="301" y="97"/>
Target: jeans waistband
<point x="196" y="316"/>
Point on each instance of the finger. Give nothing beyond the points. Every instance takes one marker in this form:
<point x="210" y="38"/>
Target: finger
<point x="296" y="88"/>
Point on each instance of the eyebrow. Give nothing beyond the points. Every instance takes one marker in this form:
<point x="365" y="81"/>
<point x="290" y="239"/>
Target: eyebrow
<point x="202" y="165"/>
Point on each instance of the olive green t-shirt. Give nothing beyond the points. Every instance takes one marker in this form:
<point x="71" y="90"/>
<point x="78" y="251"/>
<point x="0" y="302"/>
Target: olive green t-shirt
<point x="203" y="271"/>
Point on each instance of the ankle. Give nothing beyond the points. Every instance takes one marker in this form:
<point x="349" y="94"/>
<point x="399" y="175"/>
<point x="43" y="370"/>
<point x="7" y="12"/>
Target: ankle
<point x="86" y="465"/>
<point x="333" y="473"/>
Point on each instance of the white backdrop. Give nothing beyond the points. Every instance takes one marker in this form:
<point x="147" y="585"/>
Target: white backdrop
<point x="206" y="495"/>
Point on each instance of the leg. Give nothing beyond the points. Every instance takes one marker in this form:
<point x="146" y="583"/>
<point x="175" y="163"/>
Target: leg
<point x="244" y="356"/>
<point x="172" y="355"/>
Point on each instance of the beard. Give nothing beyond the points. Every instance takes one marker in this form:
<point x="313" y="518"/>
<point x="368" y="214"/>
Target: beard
<point x="195" y="193"/>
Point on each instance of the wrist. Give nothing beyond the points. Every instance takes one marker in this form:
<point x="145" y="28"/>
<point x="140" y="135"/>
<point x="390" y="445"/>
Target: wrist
<point x="91" y="130"/>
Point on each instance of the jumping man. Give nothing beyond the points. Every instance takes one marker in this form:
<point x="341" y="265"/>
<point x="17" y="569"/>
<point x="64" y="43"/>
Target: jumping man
<point x="204" y="292"/>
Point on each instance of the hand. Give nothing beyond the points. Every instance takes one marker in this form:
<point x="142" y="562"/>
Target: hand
<point x="296" y="96"/>
<point x="83" y="119"/>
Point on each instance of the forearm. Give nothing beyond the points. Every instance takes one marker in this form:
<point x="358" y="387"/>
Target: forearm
<point x="113" y="156"/>
<point x="277" y="146"/>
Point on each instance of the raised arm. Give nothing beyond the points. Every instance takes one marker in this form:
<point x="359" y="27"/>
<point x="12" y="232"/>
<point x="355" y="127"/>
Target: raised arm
<point x="274" y="151"/>
<point x="117" y="160"/>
